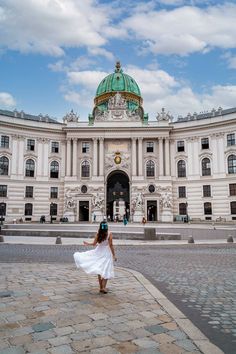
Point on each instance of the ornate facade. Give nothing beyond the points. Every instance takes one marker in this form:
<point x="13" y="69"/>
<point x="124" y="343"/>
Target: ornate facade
<point x="118" y="163"/>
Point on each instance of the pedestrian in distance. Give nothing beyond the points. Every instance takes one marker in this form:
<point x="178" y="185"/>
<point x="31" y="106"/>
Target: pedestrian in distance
<point x="99" y="261"/>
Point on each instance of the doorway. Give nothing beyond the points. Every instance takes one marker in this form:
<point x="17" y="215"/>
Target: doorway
<point x="84" y="210"/>
<point x="152" y="210"/>
<point x="118" y="205"/>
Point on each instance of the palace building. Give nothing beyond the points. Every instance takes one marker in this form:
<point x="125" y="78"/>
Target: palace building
<point x="118" y="163"/>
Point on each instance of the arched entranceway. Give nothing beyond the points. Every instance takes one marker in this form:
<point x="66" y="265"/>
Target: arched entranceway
<point x="118" y="200"/>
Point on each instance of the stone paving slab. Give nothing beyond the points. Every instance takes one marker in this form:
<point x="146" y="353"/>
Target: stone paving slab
<point x="55" y="308"/>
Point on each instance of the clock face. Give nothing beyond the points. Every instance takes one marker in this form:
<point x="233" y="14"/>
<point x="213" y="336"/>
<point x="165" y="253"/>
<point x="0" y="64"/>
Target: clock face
<point x="117" y="160"/>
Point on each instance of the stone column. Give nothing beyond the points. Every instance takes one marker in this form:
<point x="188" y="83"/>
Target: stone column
<point x="101" y="156"/>
<point x="167" y="156"/>
<point x="134" y="156"/>
<point x="140" y="156"/>
<point x="75" y="148"/>
<point x="95" y="156"/>
<point x="68" y="158"/>
<point x="161" y="161"/>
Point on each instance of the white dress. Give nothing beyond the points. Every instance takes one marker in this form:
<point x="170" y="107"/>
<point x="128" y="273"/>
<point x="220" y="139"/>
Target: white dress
<point x="97" y="261"/>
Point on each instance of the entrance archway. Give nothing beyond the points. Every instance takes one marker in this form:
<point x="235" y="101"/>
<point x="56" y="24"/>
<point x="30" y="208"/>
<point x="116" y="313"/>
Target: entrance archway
<point x="118" y="199"/>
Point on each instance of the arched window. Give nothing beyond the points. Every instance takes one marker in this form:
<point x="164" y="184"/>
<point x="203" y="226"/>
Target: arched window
<point x="182" y="209"/>
<point x="29" y="168"/>
<point x="232" y="164"/>
<point x="181" y="167"/>
<point x="28" y="209"/>
<point x="54" y="169"/>
<point x="150" y="169"/>
<point x="85" y="169"/>
<point x="207" y="208"/>
<point x="4" y="165"/>
<point x="206" y="167"/>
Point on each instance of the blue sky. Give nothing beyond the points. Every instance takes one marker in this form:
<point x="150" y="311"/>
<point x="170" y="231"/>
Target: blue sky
<point x="54" y="53"/>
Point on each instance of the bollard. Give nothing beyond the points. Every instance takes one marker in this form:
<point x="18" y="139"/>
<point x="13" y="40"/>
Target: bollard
<point x="1" y="238"/>
<point x="150" y="233"/>
<point x="58" y="240"/>
<point x="230" y="238"/>
<point x="190" y="239"/>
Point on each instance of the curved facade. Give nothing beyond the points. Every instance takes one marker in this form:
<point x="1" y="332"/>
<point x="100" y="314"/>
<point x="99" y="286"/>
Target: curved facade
<point x="118" y="164"/>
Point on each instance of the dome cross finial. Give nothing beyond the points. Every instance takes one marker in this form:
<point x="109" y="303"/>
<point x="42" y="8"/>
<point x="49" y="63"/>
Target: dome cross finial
<point x="118" y="67"/>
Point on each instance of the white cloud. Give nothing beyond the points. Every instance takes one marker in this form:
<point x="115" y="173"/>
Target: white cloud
<point x="87" y="79"/>
<point x="50" y="26"/>
<point x="7" y="100"/>
<point x="185" y="30"/>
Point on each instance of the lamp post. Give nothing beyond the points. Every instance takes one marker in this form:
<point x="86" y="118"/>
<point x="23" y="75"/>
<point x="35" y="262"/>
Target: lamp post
<point x="2" y="206"/>
<point x="51" y="212"/>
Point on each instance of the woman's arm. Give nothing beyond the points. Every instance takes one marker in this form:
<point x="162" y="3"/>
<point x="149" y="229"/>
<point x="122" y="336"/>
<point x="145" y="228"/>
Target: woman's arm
<point x="112" y="247"/>
<point x="92" y="243"/>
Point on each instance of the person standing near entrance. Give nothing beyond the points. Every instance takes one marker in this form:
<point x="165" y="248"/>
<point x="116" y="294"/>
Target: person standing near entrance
<point x="99" y="260"/>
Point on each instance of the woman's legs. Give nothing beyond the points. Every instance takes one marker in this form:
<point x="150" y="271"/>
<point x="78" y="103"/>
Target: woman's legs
<point x="100" y="282"/>
<point x="104" y="283"/>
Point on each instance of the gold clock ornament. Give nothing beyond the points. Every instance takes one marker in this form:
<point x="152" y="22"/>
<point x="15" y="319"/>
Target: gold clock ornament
<point x="117" y="158"/>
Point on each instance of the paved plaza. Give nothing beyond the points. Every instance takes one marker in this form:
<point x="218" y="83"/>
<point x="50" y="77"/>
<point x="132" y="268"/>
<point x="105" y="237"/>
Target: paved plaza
<point x="199" y="279"/>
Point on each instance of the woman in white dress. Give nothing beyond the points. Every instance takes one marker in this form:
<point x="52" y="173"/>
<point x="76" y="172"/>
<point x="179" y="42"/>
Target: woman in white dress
<point x="99" y="260"/>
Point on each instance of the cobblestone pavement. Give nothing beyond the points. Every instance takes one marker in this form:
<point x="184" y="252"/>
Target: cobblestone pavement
<point x="57" y="309"/>
<point x="200" y="280"/>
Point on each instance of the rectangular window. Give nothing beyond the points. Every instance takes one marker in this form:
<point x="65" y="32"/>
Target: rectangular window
<point x="233" y="207"/>
<point x="232" y="189"/>
<point x="205" y="143"/>
<point x="180" y="145"/>
<point x="150" y="146"/>
<point x="3" y="190"/>
<point x="182" y="192"/>
<point x="85" y="147"/>
<point x="207" y="191"/>
<point x="30" y="144"/>
<point x="230" y="139"/>
<point x="5" y="141"/>
<point x="54" y="193"/>
<point x="29" y="192"/>
<point x="55" y="147"/>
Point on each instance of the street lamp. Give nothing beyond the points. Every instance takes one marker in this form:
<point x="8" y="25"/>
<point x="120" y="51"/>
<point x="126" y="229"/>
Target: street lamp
<point x="2" y="208"/>
<point x="51" y="213"/>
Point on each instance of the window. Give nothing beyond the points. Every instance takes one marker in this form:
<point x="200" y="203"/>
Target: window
<point x="3" y="190"/>
<point x="207" y="208"/>
<point x="84" y="188"/>
<point x="233" y="207"/>
<point x="230" y="139"/>
<point x="232" y="189"/>
<point x="29" y="168"/>
<point x="3" y="208"/>
<point x="55" y="146"/>
<point x="232" y="164"/>
<point x="29" y="192"/>
<point x="182" y="192"/>
<point x="30" y="144"/>
<point x="205" y="143"/>
<point x="5" y="141"/>
<point x="207" y="191"/>
<point x="53" y="209"/>
<point x="182" y="209"/>
<point x="4" y="166"/>
<point x="151" y="188"/>
<point x="85" y="169"/>
<point x="54" y="169"/>
<point x="181" y="167"/>
<point x="150" y="146"/>
<point x="85" y="147"/>
<point x="180" y="145"/>
<point x="54" y="193"/>
<point x="206" y="167"/>
<point x="28" y="209"/>
<point x="150" y="169"/>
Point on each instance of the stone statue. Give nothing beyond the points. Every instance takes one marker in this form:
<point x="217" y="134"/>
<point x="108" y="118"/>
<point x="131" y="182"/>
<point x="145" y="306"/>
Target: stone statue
<point x="164" y="116"/>
<point x="166" y="200"/>
<point x="71" y="117"/>
<point x="139" y="201"/>
<point x="97" y="201"/>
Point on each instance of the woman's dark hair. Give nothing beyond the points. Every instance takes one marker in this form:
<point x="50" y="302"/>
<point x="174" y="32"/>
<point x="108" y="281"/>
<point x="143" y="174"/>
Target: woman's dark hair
<point x="102" y="232"/>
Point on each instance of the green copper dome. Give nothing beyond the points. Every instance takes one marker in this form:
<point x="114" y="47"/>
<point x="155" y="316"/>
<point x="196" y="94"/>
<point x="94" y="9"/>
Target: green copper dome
<point x="118" y="81"/>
